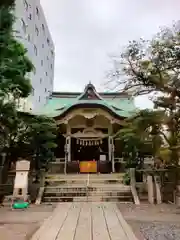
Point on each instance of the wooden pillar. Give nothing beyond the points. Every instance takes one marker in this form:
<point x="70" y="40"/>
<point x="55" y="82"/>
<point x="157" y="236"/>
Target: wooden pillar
<point x="111" y="152"/>
<point x="65" y="163"/>
<point x="109" y="148"/>
<point x="67" y="147"/>
<point x="111" y="145"/>
<point x="113" y="167"/>
<point x="68" y="142"/>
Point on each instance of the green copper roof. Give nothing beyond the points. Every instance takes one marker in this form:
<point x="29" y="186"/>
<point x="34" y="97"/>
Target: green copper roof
<point x="58" y="105"/>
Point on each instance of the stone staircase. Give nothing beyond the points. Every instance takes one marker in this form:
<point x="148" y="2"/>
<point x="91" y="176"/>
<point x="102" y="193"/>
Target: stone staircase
<point x="86" y="188"/>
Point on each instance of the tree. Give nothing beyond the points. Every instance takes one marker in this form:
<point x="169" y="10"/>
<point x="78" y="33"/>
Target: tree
<point x="154" y="67"/>
<point x="34" y="140"/>
<point x="139" y="138"/>
<point x="14" y="66"/>
<point x="14" y="63"/>
<point x="43" y="138"/>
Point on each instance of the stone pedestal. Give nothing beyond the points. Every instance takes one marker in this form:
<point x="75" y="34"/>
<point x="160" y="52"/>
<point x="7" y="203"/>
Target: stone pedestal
<point x="21" y="180"/>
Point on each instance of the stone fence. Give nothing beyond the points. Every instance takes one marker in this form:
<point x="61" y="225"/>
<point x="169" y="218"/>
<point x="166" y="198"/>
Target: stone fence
<point x="161" y="185"/>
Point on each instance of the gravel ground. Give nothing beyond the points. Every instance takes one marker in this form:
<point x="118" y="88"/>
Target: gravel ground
<point x="160" y="231"/>
<point x="21" y="224"/>
<point x="153" y="222"/>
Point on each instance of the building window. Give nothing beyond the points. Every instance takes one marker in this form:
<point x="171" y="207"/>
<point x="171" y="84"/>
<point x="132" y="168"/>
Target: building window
<point x="42" y="62"/>
<point x="45" y="90"/>
<point x="51" y="66"/>
<point x="26" y="5"/>
<point x="30" y="16"/>
<point x="43" y="28"/>
<point x="47" y="58"/>
<point x="40" y="80"/>
<point x="23" y="26"/>
<point x="37" y="31"/>
<point x="29" y="38"/>
<point x="39" y="98"/>
<point x="35" y="50"/>
<point x="48" y="42"/>
<point x="46" y="74"/>
<point x="43" y="45"/>
<point x="37" y="11"/>
<point x="52" y="53"/>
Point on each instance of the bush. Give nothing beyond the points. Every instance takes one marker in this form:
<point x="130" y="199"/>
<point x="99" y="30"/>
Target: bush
<point x="126" y="178"/>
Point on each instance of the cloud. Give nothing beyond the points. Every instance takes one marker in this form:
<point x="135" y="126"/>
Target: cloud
<point x="86" y="31"/>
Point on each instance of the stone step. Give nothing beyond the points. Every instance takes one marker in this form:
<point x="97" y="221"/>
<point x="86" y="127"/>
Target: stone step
<point x="88" y="199"/>
<point x="84" y="177"/>
<point x="74" y="194"/>
<point x="70" y="176"/>
<point x="73" y="191"/>
<point x="90" y="185"/>
<point x="86" y="187"/>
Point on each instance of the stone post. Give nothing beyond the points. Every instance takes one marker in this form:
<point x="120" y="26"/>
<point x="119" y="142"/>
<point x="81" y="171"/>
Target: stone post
<point x="158" y="189"/>
<point x="150" y="186"/>
<point x="133" y="185"/>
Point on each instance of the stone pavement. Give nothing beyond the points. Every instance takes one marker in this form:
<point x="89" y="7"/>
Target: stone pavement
<point x="90" y="221"/>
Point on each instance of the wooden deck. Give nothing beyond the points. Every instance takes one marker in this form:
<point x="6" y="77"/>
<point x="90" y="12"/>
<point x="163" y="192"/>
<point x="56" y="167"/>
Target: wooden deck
<point x="90" y="221"/>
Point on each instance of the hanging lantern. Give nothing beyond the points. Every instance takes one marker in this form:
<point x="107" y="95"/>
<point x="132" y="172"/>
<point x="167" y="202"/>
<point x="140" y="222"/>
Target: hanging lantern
<point x="77" y="141"/>
<point x="101" y="141"/>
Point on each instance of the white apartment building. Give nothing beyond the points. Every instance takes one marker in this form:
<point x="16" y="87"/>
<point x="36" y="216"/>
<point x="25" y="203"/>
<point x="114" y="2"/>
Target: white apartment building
<point x="32" y="30"/>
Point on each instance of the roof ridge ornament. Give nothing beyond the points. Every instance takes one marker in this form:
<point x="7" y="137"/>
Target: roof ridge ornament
<point x="90" y="93"/>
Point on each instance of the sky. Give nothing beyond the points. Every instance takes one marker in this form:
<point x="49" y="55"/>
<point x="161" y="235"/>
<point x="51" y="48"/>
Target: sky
<point x="87" y="32"/>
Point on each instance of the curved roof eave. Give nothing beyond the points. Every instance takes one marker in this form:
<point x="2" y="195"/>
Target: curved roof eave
<point x="90" y="105"/>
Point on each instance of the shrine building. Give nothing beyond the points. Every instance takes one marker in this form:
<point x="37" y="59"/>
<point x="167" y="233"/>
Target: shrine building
<point x="87" y="123"/>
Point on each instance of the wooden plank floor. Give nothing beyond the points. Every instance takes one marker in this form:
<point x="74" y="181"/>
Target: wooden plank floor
<point x="90" y="221"/>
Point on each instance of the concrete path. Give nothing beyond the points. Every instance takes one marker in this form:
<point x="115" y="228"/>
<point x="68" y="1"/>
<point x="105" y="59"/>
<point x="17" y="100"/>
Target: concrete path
<point x="90" y="221"/>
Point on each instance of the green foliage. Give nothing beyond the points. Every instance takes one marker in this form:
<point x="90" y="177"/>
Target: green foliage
<point x="35" y="138"/>
<point x="140" y="136"/>
<point x="165" y="155"/>
<point x="126" y="178"/>
<point x="153" y="67"/>
<point x="21" y="134"/>
<point x="14" y="63"/>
